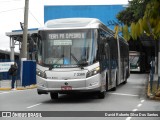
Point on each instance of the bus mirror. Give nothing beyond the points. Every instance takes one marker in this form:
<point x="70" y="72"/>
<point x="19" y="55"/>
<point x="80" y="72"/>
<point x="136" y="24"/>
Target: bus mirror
<point x="84" y="63"/>
<point x="34" y="36"/>
<point x="50" y="67"/>
<point x="39" y="37"/>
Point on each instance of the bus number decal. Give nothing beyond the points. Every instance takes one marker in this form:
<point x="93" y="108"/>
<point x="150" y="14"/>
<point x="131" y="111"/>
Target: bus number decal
<point x="79" y="74"/>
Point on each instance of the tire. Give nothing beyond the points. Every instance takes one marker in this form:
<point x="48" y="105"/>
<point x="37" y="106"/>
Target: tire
<point x="106" y="82"/>
<point x="125" y="81"/>
<point x="54" y="96"/>
<point x="116" y="84"/>
<point x="114" y="88"/>
<point x="101" y="95"/>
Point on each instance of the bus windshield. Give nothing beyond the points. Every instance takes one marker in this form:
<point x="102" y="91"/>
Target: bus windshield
<point x="67" y="48"/>
<point x="134" y="60"/>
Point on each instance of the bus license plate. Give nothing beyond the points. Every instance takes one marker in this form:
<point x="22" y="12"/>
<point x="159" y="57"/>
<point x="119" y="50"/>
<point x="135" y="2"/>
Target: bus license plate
<point x="66" y="87"/>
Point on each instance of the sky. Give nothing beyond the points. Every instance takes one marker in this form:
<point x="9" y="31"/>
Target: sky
<point x="12" y="13"/>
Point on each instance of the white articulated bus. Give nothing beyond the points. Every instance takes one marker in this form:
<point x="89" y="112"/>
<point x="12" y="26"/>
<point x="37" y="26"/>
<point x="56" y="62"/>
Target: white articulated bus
<point x="80" y="55"/>
<point x="137" y="61"/>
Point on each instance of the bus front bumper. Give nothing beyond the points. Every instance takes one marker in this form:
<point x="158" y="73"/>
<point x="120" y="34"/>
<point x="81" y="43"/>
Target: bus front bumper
<point x="90" y="84"/>
<point x="135" y="69"/>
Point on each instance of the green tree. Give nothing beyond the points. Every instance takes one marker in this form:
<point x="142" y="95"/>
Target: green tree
<point x="134" y="11"/>
<point x="126" y="31"/>
<point x="143" y="17"/>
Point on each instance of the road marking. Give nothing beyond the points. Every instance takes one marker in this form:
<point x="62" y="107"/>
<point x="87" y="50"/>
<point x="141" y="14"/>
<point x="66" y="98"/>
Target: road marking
<point x="134" y="109"/>
<point x="10" y="92"/>
<point x="4" y="92"/>
<point x="124" y="94"/>
<point x="128" y="118"/>
<point x="139" y="105"/>
<point x="34" y="105"/>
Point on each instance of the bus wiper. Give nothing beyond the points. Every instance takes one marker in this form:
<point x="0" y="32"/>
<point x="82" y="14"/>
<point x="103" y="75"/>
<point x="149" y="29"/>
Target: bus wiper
<point x="83" y="62"/>
<point x="132" y="59"/>
<point x="52" y="66"/>
<point x="77" y="61"/>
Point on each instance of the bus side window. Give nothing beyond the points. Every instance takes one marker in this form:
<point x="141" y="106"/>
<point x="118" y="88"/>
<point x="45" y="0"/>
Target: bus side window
<point x="102" y="53"/>
<point x="107" y="51"/>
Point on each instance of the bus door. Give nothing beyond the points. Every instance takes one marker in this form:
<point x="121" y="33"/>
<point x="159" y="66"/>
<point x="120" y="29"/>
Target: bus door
<point x="107" y="52"/>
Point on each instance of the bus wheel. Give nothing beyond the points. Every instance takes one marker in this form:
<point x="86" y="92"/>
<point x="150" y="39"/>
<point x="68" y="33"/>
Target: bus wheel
<point x="106" y="82"/>
<point x="114" y="88"/>
<point x="125" y="81"/>
<point x="101" y="95"/>
<point x="116" y="84"/>
<point x="54" y="95"/>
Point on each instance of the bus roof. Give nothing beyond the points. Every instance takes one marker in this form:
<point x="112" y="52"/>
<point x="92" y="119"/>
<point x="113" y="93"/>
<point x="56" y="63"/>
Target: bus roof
<point x="134" y="53"/>
<point x="72" y="23"/>
<point x="7" y="52"/>
<point x="76" y="23"/>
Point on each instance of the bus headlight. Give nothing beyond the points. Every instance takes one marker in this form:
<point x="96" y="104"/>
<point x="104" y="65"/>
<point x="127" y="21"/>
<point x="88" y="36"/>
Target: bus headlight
<point x="41" y="73"/>
<point x="93" y="72"/>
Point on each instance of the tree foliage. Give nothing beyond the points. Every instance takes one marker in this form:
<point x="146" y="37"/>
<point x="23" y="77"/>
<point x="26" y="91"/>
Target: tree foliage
<point x="143" y="16"/>
<point x="152" y="16"/>
<point x="126" y="31"/>
<point x="134" y="11"/>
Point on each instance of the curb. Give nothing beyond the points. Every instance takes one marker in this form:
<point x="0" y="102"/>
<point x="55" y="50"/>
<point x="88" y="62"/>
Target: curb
<point x="156" y="98"/>
<point x="150" y="96"/>
<point x="20" y="88"/>
<point x="5" y="89"/>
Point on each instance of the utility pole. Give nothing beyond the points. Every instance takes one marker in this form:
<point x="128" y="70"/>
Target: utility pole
<point x="25" y="30"/>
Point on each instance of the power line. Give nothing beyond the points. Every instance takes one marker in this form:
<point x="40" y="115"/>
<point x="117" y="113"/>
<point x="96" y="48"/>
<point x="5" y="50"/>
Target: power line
<point x="35" y="18"/>
<point x="15" y="0"/>
<point x="10" y="0"/>
<point x="10" y="10"/>
<point x="22" y="8"/>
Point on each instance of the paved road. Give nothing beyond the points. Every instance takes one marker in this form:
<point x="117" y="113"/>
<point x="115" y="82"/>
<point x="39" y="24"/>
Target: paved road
<point x="128" y="97"/>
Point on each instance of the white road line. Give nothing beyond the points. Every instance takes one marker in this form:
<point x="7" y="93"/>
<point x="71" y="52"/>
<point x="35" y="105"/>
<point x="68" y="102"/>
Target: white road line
<point x="34" y="105"/>
<point x="142" y="101"/>
<point x="128" y="118"/>
<point x="124" y="94"/>
<point x="139" y="105"/>
<point x="134" y="109"/>
<point x="4" y="93"/>
<point x="11" y="91"/>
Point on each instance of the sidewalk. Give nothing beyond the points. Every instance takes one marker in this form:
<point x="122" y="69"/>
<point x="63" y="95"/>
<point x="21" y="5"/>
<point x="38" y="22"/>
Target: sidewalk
<point x="155" y="94"/>
<point x="6" y="85"/>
